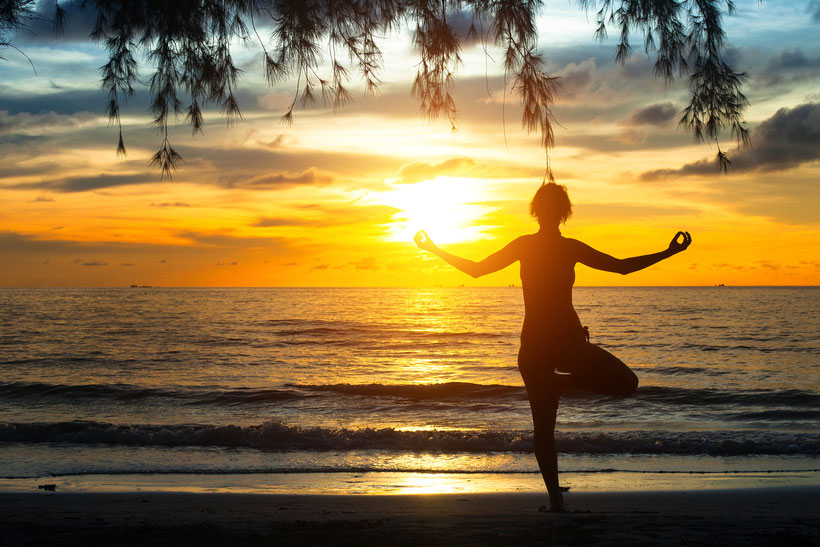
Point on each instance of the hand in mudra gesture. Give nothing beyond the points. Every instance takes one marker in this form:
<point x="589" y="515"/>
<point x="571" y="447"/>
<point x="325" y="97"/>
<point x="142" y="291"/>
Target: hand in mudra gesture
<point x="423" y="241"/>
<point x="676" y="247"/>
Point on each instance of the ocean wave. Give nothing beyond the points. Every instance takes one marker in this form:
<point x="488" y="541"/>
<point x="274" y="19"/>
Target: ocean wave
<point x="277" y="436"/>
<point x="131" y="393"/>
<point x="447" y="390"/>
<point x="719" y="397"/>
<point x="795" y="401"/>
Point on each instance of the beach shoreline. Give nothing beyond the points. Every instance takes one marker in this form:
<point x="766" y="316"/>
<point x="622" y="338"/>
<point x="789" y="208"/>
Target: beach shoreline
<point x="387" y="483"/>
<point x="748" y="516"/>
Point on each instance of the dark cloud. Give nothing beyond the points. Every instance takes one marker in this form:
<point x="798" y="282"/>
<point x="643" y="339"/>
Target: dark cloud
<point x="228" y="240"/>
<point x="656" y="114"/>
<point x="789" y="138"/>
<point x="814" y="10"/>
<point x="84" y="184"/>
<point x="170" y="204"/>
<point x="321" y="267"/>
<point x="42" y="199"/>
<point x="311" y="175"/>
<point x="271" y="222"/>
<point x="419" y="170"/>
<point x="127" y="264"/>
<point x="162" y="261"/>
<point x="368" y="263"/>
<point x="467" y="26"/>
<point x="24" y="122"/>
<point x="792" y="65"/>
<point x="94" y="263"/>
<point x="65" y="102"/>
<point x="575" y="78"/>
<point x="262" y="167"/>
<point x="16" y="242"/>
<point x="331" y="215"/>
<point x="279" y="142"/>
<point x="78" y="24"/>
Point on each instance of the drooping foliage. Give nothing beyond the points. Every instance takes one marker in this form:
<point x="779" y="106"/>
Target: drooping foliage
<point x="320" y="43"/>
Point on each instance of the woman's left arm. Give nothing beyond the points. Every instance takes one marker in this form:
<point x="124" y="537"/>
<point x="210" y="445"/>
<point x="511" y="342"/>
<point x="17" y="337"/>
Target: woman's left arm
<point x="602" y="261"/>
<point x="493" y="263"/>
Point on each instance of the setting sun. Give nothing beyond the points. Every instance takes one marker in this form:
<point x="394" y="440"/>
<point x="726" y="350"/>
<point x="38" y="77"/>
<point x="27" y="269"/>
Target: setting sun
<point x="448" y="208"/>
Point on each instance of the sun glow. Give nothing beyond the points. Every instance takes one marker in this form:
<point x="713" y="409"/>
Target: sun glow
<point x="448" y="208"/>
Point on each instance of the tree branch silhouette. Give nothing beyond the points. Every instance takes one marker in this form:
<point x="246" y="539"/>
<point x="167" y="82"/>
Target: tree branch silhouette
<point x="187" y="44"/>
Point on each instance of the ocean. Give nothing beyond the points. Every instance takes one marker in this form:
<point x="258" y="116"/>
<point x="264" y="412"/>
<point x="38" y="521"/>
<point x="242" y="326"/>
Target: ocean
<point x="383" y="390"/>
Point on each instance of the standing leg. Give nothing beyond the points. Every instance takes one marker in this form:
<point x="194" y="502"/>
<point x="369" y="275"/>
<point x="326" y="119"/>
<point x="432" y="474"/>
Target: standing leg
<point x="544" y="406"/>
<point x="543" y="392"/>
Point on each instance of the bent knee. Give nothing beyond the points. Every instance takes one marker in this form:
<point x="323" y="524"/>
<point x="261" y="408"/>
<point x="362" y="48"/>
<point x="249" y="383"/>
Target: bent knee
<point x="629" y="385"/>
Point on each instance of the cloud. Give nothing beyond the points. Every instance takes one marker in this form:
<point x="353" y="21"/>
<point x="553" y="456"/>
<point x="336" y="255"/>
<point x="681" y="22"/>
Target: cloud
<point x="368" y="263"/>
<point x="162" y="261"/>
<point x="279" y="142"/>
<point x="792" y="65"/>
<point x="226" y="239"/>
<point x="814" y="10"/>
<point x="25" y="122"/>
<point x="127" y="264"/>
<point x="169" y="204"/>
<point x="790" y="138"/>
<point x="311" y="175"/>
<point x="575" y="78"/>
<point x="79" y="23"/>
<point x="42" y="199"/>
<point x="270" y="222"/>
<point x="86" y="183"/>
<point x="419" y="170"/>
<point x="94" y="263"/>
<point x="321" y="267"/>
<point x="656" y="114"/>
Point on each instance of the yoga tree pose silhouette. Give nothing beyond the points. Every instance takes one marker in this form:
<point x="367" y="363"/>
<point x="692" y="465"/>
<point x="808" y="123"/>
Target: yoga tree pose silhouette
<point x="555" y="352"/>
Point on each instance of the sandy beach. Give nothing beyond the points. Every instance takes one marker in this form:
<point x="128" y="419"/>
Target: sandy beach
<point x="762" y="516"/>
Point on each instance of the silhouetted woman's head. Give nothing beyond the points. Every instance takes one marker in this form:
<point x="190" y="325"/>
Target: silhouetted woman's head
<point x="551" y="205"/>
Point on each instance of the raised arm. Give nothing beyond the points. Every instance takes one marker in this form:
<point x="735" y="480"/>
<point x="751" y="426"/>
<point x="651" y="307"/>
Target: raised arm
<point x="602" y="261"/>
<point x="493" y="263"/>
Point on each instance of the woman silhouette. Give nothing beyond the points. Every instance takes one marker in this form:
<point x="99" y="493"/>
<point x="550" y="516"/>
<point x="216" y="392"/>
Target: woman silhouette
<point x="552" y="338"/>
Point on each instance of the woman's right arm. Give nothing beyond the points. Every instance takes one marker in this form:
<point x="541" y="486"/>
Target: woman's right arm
<point x="602" y="261"/>
<point x="496" y="261"/>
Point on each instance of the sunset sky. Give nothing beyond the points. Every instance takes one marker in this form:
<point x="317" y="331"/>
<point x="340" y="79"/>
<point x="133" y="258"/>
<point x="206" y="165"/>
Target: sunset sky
<point x="334" y="199"/>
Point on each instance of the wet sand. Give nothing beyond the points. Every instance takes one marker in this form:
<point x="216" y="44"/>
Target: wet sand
<point x="760" y="516"/>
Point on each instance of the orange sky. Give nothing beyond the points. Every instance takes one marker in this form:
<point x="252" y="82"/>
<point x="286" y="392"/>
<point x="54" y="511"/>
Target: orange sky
<point x="334" y="199"/>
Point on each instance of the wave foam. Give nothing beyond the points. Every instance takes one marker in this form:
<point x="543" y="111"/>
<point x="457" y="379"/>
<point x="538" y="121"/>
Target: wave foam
<point x="282" y="437"/>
